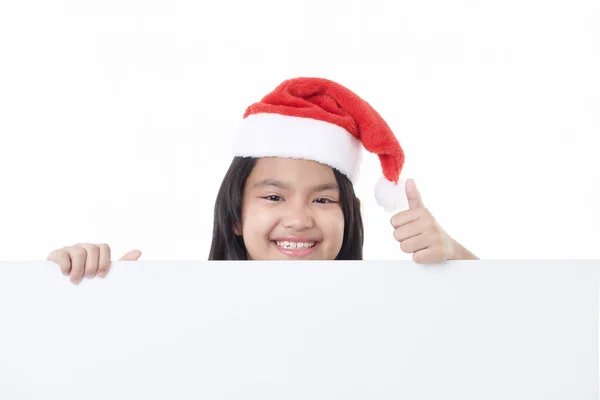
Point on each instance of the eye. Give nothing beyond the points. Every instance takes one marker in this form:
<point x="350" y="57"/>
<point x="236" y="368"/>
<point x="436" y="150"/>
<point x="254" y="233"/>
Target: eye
<point x="322" y="200"/>
<point x="273" y="198"/>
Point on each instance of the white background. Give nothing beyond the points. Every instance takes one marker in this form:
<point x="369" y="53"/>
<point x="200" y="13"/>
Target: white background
<point x="116" y="116"/>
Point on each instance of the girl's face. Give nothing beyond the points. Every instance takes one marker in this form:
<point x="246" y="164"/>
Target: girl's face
<point x="291" y="210"/>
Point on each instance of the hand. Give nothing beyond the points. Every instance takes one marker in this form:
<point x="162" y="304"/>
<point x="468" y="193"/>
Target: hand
<point x="419" y="233"/>
<point x="87" y="260"/>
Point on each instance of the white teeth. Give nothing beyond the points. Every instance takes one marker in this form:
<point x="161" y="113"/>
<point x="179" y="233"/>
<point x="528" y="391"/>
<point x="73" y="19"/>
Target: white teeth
<point x="295" y="245"/>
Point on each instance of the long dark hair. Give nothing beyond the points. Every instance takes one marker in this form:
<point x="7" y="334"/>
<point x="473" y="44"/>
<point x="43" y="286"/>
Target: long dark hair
<point x="226" y="245"/>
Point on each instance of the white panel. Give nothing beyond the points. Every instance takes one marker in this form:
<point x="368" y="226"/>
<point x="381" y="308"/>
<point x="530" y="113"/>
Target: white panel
<point x="320" y="330"/>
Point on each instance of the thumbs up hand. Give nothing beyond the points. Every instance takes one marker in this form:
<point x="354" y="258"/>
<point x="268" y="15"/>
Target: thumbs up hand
<point x="419" y="233"/>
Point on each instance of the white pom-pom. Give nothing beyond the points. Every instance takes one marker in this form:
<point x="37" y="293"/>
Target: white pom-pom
<point x="392" y="197"/>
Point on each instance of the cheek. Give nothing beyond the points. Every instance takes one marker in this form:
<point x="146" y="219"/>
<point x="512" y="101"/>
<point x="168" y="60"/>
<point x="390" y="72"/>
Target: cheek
<point x="257" y="223"/>
<point x="332" y="225"/>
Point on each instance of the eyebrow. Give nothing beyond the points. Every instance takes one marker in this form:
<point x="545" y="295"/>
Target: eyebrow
<point x="281" y="185"/>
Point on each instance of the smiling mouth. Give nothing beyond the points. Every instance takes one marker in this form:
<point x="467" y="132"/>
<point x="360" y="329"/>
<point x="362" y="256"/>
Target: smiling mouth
<point x="284" y="244"/>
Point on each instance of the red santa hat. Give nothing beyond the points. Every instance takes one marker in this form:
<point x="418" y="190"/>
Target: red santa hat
<point x="320" y="120"/>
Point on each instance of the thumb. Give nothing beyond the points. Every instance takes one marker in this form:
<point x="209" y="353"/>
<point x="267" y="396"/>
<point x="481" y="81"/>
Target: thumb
<point x="133" y="255"/>
<point x="413" y="195"/>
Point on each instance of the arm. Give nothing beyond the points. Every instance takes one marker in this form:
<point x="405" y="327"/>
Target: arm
<point x="462" y="253"/>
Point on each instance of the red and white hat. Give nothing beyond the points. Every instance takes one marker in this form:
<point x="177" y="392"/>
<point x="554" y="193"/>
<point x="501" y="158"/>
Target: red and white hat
<point x="320" y="120"/>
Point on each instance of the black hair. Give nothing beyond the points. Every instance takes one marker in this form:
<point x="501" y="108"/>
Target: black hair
<point x="226" y="245"/>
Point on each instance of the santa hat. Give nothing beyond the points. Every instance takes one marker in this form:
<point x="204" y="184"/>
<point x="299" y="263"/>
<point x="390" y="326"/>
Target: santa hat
<point x="320" y="120"/>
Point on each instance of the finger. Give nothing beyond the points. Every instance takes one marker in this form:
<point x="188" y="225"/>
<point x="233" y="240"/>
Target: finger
<point x="415" y="243"/>
<point x="407" y="216"/>
<point x="78" y="256"/>
<point x="409" y="230"/>
<point x="430" y="255"/>
<point x="61" y="257"/>
<point x="92" y="259"/>
<point x="133" y="255"/>
<point x="104" y="260"/>
<point x="413" y="195"/>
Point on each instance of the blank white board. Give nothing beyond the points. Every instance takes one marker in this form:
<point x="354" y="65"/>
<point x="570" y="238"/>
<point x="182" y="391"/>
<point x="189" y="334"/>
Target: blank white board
<point x="302" y="330"/>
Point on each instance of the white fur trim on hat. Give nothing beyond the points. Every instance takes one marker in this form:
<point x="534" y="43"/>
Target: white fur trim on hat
<point x="276" y="135"/>
<point x="392" y="197"/>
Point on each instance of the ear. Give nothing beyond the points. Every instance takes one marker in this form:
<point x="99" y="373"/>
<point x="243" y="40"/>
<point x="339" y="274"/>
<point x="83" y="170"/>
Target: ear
<point x="237" y="229"/>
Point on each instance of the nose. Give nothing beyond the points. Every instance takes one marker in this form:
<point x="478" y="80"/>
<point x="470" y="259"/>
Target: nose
<point x="298" y="217"/>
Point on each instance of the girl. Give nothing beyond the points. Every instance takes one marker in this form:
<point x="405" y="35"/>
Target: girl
<point x="288" y="194"/>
